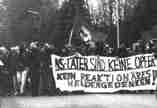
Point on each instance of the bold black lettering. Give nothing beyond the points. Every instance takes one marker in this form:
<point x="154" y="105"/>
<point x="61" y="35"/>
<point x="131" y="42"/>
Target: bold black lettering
<point x="86" y="63"/>
<point x="59" y="77"/>
<point x="92" y="61"/>
<point x="73" y="64"/>
<point x="137" y="62"/>
<point x="110" y="65"/>
<point x="60" y="64"/>
<point x="117" y="84"/>
<point x="119" y="77"/>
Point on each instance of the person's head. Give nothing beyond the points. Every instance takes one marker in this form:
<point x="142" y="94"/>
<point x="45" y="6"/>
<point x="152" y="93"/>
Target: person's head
<point x="34" y="45"/>
<point x="110" y="50"/>
<point x="92" y="44"/>
<point x="15" y="50"/>
<point x="3" y="51"/>
<point x="122" y="45"/>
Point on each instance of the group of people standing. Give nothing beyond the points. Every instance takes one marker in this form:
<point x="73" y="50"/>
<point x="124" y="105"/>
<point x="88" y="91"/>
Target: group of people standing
<point x="27" y="67"/>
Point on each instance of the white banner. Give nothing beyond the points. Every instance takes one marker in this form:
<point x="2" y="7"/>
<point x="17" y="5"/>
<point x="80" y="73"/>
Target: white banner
<point x="104" y="74"/>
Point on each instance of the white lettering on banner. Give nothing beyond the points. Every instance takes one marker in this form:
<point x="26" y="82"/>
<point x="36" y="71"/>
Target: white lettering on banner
<point x="104" y="74"/>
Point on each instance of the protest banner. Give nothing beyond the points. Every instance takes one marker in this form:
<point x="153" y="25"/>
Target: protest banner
<point x="104" y="74"/>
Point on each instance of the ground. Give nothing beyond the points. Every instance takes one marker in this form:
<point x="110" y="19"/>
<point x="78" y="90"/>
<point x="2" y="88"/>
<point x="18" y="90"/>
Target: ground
<point x="83" y="101"/>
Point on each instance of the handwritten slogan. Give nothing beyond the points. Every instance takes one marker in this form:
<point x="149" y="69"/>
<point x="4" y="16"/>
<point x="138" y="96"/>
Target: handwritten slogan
<point x="104" y="74"/>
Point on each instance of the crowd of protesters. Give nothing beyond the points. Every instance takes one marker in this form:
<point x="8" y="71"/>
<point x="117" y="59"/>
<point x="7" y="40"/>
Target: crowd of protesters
<point x="27" y="66"/>
<point x="102" y="49"/>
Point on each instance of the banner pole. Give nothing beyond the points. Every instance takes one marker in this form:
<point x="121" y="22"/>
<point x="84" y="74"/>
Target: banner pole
<point x="70" y="37"/>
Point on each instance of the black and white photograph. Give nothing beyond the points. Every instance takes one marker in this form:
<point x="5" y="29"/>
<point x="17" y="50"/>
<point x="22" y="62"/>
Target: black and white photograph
<point x="78" y="53"/>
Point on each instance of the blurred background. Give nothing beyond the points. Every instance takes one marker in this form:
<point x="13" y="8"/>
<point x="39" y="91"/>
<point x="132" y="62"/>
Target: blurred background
<point x="53" y="20"/>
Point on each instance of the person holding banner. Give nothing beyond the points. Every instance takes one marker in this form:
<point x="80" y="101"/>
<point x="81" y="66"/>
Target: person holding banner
<point x="122" y="51"/>
<point x="100" y="48"/>
<point x="69" y="50"/>
<point x="48" y="83"/>
<point x="91" y="48"/>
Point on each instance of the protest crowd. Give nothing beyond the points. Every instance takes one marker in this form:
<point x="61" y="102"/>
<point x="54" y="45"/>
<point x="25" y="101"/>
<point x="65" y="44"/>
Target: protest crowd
<point x="26" y="68"/>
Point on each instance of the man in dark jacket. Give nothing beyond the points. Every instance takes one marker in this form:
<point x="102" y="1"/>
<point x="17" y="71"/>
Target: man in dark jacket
<point x="12" y="68"/>
<point x="35" y="67"/>
<point x="23" y="68"/>
<point x="48" y="83"/>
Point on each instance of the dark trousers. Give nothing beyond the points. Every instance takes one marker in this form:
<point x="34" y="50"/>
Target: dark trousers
<point x="48" y="83"/>
<point x="10" y="84"/>
<point x="44" y="80"/>
<point x="35" y="79"/>
<point x="52" y="83"/>
<point x="12" y="87"/>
